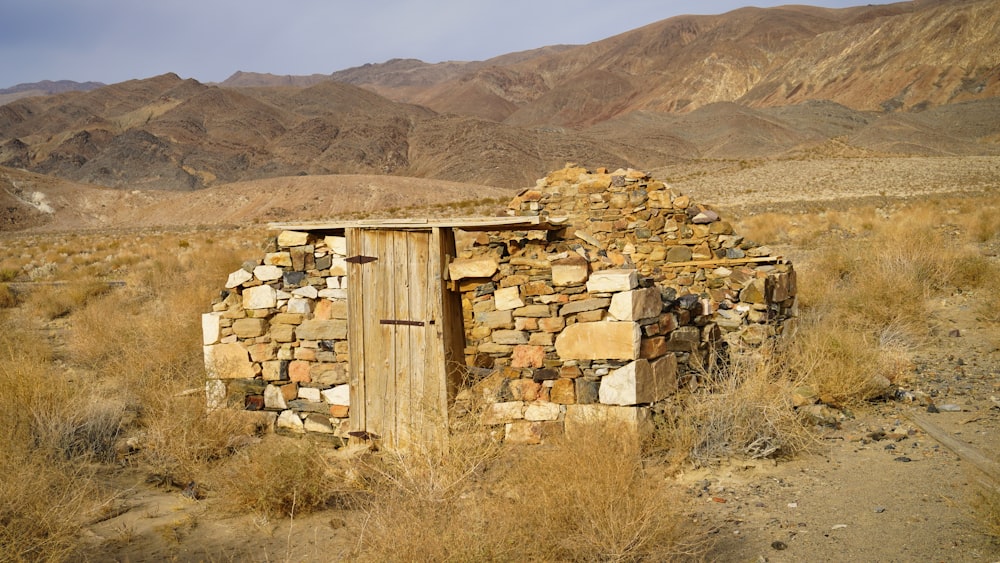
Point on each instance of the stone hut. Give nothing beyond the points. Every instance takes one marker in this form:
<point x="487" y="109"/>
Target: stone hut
<point x="595" y="298"/>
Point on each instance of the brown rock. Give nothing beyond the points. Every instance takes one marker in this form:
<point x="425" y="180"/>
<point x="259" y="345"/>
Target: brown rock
<point x="653" y="347"/>
<point x="228" y="361"/>
<point x="551" y="324"/>
<point x="317" y="329"/>
<point x="283" y="333"/>
<point x="569" y="271"/>
<point x="584" y="305"/>
<point x="298" y="371"/>
<point x="563" y="392"/>
<point x="527" y="356"/>
<point x="531" y="432"/>
<point x="289" y="391"/>
<point x="679" y="253"/>
<point x="524" y="389"/>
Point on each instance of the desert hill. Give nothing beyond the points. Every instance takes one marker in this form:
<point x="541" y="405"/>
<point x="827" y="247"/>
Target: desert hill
<point x="40" y="202"/>
<point x="44" y="88"/>
<point x="904" y="79"/>
<point x="872" y="58"/>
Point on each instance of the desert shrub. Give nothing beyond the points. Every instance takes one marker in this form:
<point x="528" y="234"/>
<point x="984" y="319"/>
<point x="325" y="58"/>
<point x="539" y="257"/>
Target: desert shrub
<point x="134" y="371"/>
<point x="8" y="298"/>
<point x="78" y="425"/>
<point x="844" y="365"/>
<point x="591" y="498"/>
<point x="744" y="409"/>
<point x="595" y="498"/>
<point x="181" y="443"/>
<point x="986" y="505"/>
<point x="433" y="493"/>
<point x="279" y="477"/>
<point x="48" y="434"/>
<point x="988" y="304"/>
<point x="61" y="300"/>
<point x="43" y="504"/>
<point x="986" y="226"/>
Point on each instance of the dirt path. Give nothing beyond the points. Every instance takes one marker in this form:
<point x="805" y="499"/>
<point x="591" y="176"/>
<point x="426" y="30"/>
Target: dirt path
<point x="878" y="488"/>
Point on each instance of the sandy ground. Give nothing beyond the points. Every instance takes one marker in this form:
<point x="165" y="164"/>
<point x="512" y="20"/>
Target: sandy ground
<point x="863" y="496"/>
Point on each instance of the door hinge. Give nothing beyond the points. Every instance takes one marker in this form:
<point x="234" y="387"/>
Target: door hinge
<point x="360" y="259"/>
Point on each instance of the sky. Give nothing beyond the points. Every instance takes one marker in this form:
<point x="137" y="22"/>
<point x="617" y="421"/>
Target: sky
<point x="116" y="40"/>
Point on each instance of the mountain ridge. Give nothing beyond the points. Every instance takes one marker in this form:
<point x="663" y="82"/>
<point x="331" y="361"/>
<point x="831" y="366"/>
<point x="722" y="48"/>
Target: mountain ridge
<point x="911" y="78"/>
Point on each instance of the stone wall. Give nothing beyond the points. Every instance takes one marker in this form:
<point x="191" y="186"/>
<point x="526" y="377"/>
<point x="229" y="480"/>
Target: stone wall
<point x="627" y="302"/>
<point x="597" y="320"/>
<point x="276" y="339"/>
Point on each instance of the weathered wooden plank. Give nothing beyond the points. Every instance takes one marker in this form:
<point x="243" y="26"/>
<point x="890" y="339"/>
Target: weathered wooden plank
<point x="465" y="223"/>
<point x="966" y="452"/>
<point x="416" y="271"/>
<point x="725" y="262"/>
<point x="433" y="431"/>
<point x="399" y="388"/>
<point x="356" y="335"/>
<point x="382" y="356"/>
<point x="451" y="328"/>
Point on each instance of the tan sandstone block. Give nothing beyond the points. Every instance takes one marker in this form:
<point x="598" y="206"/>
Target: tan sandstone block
<point x="602" y="340"/>
<point x="636" y="304"/>
<point x="640" y="382"/>
<point x="477" y="267"/>
<point x="228" y="361"/>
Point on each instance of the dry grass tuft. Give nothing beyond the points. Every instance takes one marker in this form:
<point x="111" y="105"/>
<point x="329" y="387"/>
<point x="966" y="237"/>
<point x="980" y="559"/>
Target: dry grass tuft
<point x="986" y="506"/>
<point x="280" y="477"/>
<point x="865" y="295"/>
<point x="50" y="434"/>
<point x="125" y="354"/>
<point x="8" y="298"/>
<point x="62" y="300"/>
<point x="43" y="503"/>
<point x="181" y="443"/>
<point x="744" y="410"/>
<point x="597" y="499"/>
<point x="589" y="499"/>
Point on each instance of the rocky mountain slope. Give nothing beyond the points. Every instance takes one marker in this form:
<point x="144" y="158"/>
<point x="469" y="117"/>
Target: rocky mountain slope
<point x="907" y="55"/>
<point x="912" y="78"/>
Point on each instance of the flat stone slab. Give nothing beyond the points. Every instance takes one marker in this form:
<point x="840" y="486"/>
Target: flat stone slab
<point x="640" y="382"/>
<point x="333" y="329"/>
<point x="238" y="278"/>
<point x="292" y="238"/>
<point x="260" y="297"/>
<point x="211" y="328"/>
<point x="610" y="281"/>
<point x="478" y="267"/>
<point x="636" y="304"/>
<point x="227" y="361"/>
<point x="602" y="340"/>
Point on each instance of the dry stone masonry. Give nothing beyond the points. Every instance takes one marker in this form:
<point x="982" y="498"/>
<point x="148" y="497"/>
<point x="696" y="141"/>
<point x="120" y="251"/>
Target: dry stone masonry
<point x="632" y="294"/>
<point x="276" y="340"/>
<point x="611" y="314"/>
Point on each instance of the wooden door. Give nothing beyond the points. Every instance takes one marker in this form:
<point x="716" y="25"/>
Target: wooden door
<point x="402" y="336"/>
